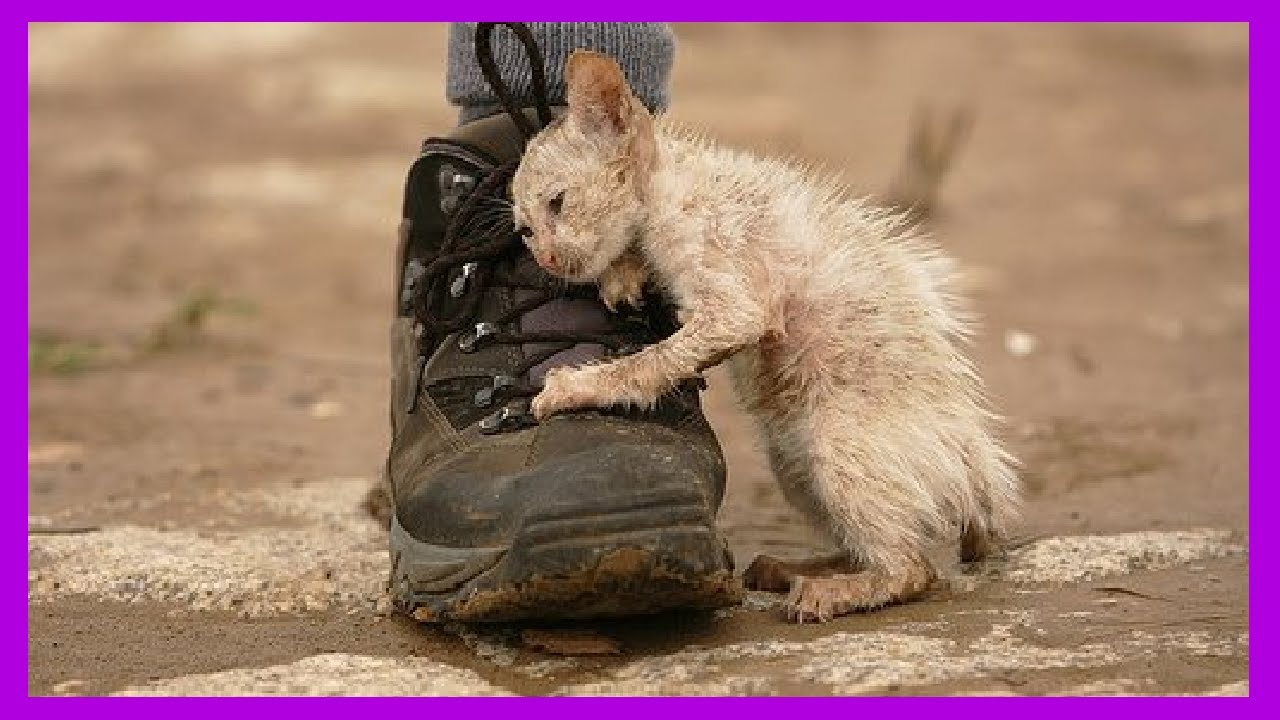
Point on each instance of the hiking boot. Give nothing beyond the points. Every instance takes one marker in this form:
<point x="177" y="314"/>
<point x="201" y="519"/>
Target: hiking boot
<point x="493" y="516"/>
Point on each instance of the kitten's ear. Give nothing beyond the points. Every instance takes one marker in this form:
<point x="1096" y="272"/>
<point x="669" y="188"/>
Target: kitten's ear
<point x="599" y="98"/>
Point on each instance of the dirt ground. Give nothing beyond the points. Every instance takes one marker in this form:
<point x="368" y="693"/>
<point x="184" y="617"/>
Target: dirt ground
<point x="213" y="212"/>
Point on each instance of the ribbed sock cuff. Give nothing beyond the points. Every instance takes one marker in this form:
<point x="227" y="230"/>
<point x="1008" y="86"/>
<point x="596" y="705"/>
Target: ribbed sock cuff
<point x="644" y="50"/>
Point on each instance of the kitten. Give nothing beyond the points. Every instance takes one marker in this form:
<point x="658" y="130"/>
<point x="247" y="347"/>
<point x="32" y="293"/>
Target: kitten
<point x="840" y="322"/>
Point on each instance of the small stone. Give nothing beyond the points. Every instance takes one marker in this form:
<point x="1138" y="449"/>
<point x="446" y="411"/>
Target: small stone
<point x="326" y="409"/>
<point x="1019" y="343"/>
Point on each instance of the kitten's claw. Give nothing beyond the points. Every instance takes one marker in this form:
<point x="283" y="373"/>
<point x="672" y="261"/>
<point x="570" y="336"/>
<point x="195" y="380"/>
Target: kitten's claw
<point x="546" y="404"/>
<point x="541" y="407"/>
<point x="615" y="292"/>
<point x="822" y="599"/>
<point x="552" y="398"/>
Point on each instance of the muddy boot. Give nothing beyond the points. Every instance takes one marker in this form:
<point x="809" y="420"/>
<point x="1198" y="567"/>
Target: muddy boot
<point x="494" y="517"/>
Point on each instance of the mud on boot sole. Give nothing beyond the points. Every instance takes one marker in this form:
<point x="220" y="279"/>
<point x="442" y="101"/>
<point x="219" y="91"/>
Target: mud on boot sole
<point x="555" y="571"/>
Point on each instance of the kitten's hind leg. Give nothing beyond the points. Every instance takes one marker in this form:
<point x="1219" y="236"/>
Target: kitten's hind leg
<point x="788" y="460"/>
<point x="875" y="503"/>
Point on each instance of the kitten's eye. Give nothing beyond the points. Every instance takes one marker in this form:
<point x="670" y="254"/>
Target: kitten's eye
<point x="525" y="231"/>
<point x="556" y="203"/>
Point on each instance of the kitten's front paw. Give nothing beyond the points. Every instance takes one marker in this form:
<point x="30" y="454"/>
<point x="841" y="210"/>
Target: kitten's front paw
<point x="565" y="389"/>
<point x="618" y="291"/>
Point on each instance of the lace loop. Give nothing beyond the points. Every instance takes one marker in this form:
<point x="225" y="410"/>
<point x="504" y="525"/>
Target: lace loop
<point x="538" y="75"/>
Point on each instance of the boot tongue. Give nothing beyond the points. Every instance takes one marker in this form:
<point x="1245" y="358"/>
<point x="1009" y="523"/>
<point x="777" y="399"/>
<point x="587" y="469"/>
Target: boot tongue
<point x="496" y="135"/>
<point x="561" y="316"/>
<point x="565" y="315"/>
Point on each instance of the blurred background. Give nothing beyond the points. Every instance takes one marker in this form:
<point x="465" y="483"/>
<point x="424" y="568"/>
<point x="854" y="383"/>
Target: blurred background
<point x="212" y="232"/>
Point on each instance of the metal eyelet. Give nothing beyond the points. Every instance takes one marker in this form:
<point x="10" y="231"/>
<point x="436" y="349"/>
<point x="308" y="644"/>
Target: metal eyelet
<point x="453" y="181"/>
<point x="450" y="178"/>
<point x="459" y="285"/>
<point x="484" y="397"/>
<point x="454" y="186"/>
<point x="470" y="341"/>
<point x="507" y="418"/>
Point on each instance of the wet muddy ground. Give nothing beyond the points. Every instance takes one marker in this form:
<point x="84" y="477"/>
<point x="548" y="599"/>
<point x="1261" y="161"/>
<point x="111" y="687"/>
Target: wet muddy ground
<point x="212" y="218"/>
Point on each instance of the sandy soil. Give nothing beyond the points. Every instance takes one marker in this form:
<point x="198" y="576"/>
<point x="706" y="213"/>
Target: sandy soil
<point x="212" y="215"/>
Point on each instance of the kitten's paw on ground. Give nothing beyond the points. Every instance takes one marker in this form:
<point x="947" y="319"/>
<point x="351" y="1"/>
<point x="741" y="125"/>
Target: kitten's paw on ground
<point x="821" y="599"/>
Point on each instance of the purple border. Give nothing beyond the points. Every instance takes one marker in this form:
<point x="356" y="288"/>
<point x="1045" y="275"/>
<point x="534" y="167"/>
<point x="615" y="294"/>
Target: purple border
<point x="13" y="308"/>
<point x="14" y="616"/>
<point x="662" y="10"/>
<point x="1262" y="114"/>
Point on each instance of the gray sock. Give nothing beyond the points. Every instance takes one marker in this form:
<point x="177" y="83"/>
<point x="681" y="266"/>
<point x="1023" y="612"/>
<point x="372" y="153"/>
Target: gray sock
<point x="644" y="50"/>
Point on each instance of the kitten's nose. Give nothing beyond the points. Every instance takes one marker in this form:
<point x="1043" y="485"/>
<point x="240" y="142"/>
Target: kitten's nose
<point x="549" y="261"/>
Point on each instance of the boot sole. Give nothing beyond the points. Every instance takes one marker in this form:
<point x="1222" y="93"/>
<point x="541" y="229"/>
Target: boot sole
<point x="635" y="562"/>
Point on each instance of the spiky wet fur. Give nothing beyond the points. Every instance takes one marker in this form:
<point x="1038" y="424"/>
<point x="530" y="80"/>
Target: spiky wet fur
<point x="840" y="320"/>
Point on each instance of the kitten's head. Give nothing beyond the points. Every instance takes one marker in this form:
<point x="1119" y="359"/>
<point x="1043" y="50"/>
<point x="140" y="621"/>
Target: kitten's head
<point x="579" y="194"/>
